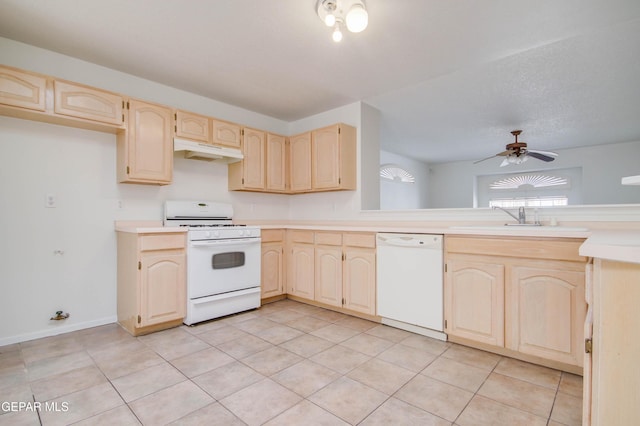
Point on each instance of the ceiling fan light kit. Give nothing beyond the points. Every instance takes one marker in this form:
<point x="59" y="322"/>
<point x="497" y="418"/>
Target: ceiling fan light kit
<point x="336" y="13"/>
<point x="517" y="153"/>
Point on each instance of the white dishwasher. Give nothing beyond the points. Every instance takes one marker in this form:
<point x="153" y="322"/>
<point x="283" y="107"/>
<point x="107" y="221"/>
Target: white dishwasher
<point x="410" y="282"/>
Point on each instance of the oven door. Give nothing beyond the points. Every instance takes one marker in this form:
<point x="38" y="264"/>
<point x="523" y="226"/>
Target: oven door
<point x="222" y="266"/>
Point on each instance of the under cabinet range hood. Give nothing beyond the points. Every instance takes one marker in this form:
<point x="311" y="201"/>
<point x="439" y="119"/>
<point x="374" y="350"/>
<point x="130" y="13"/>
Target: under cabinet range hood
<point x="203" y="151"/>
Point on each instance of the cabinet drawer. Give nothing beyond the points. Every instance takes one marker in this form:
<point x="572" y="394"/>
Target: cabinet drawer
<point x="162" y="242"/>
<point x="360" y="240"/>
<point x="302" y="237"/>
<point x="527" y="248"/>
<point x="272" y="235"/>
<point x="329" y="238"/>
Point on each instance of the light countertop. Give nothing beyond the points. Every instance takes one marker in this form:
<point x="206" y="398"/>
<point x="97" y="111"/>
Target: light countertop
<point x="622" y="246"/>
<point x="418" y="228"/>
<point x="145" y="227"/>
<point x="619" y="245"/>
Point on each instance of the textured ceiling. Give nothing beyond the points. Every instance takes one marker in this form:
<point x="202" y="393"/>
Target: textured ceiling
<point x="451" y="78"/>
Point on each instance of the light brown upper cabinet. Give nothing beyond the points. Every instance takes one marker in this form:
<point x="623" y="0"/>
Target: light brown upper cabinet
<point x="333" y="156"/>
<point x="77" y="101"/>
<point x="249" y="174"/>
<point x="225" y="133"/>
<point x="22" y="89"/>
<point x="145" y="150"/>
<point x="321" y="160"/>
<point x="300" y="162"/>
<point x="276" y="160"/>
<point x="192" y="126"/>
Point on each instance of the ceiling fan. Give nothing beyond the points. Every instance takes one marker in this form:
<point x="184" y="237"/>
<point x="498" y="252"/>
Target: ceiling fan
<point x="517" y="153"/>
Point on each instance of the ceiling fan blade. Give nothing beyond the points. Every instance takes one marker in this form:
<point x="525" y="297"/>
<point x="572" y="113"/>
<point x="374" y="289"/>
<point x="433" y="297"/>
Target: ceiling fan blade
<point x="479" y="161"/>
<point x="547" y="153"/>
<point x="504" y="153"/>
<point x="540" y="156"/>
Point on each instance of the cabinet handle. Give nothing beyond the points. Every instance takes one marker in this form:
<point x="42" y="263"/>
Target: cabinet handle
<point x="139" y="319"/>
<point x="588" y="346"/>
<point x="139" y="265"/>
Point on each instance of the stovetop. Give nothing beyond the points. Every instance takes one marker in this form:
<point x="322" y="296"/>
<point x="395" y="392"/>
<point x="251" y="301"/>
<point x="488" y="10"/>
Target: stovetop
<point x="206" y="220"/>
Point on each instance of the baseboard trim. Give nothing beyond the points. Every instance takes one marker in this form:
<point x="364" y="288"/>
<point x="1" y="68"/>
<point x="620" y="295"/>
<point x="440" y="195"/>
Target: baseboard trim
<point x="57" y="330"/>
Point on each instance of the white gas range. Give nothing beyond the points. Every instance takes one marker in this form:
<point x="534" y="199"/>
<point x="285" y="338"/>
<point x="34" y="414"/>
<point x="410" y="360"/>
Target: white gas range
<point x="223" y="259"/>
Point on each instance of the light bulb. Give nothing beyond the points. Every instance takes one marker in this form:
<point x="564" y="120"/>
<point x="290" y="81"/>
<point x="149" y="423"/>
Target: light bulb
<point x="330" y="20"/>
<point x="337" y="34"/>
<point x="357" y="18"/>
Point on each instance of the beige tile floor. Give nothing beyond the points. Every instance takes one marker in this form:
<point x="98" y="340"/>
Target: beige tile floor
<point x="286" y="363"/>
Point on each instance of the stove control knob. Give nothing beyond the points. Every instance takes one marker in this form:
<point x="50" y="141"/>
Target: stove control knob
<point x="216" y="233"/>
<point x="207" y="234"/>
<point x="241" y="232"/>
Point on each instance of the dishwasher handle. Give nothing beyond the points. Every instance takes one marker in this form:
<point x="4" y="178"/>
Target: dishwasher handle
<point x="409" y="241"/>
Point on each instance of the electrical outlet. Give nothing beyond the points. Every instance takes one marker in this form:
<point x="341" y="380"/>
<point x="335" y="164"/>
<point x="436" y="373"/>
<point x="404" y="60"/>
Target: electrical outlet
<point x="50" y="200"/>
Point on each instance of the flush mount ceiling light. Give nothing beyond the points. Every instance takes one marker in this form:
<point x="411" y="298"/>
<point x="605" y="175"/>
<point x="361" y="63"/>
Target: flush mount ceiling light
<point x="337" y="13"/>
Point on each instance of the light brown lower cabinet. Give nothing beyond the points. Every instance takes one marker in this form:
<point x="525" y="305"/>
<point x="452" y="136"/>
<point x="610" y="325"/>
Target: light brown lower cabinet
<point x="474" y="297"/>
<point x="301" y="262"/>
<point x="612" y="377"/>
<point x="334" y="269"/>
<point x="272" y="272"/>
<point x="360" y="279"/>
<point x="151" y="281"/>
<point x="521" y="297"/>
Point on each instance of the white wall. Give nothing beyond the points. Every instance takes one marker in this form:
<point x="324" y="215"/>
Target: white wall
<point x="78" y="166"/>
<point x="603" y="166"/>
<point x="369" y="157"/>
<point x="404" y="196"/>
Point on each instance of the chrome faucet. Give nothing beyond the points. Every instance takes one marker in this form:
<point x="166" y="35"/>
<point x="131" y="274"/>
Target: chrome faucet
<point x="521" y="218"/>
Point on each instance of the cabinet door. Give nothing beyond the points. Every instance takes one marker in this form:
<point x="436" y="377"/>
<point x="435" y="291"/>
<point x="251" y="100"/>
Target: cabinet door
<point x="615" y="372"/>
<point x="84" y="102"/>
<point x="545" y="312"/>
<point x="276" y="162"/>
<point x="474" y="301"/>
<point x="22" y="90"/>
<point x="253" y="144"/>
<point x="272" y="264"/>
<point x="227" y="134"/>
<point x="162" y="288"/>
<point x="302" y="276"/>
<point x="328" y="277"/>
<point x="325" y="157"/>
<point x="300" y="162"/>
<point x="192" y="126"/>
<point x="360" y="280"/>
<point x="148" y="145"/>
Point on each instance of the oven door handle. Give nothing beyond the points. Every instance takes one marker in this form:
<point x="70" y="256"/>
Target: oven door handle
<point x="237" y="241"/>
